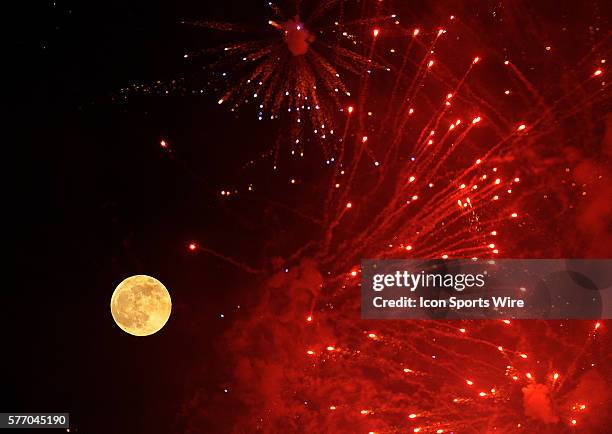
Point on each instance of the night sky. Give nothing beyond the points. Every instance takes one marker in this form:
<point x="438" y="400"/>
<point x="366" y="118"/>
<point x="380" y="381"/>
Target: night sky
<point x="97" y="200"/>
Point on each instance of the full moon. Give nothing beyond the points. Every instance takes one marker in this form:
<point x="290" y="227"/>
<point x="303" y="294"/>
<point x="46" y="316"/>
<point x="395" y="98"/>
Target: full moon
<point x="141" y="305"/>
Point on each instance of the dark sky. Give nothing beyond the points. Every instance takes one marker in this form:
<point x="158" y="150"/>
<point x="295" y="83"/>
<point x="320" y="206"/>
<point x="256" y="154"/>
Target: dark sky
<point x="98" y="200"/>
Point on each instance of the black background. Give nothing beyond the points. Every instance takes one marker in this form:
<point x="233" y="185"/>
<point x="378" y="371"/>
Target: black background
<point x="97" y="200"/>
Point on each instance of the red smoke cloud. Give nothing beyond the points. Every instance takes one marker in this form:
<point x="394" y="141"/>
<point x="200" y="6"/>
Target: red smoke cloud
<point x="537" y="403"/>
<point x="297" y="38"/>
<point x="594" y="216"/>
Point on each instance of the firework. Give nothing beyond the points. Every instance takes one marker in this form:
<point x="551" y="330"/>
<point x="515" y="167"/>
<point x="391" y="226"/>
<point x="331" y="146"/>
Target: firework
<point x="298" y="68"/>
<point x="436" y="172"/>
<point x="302" y="370"/>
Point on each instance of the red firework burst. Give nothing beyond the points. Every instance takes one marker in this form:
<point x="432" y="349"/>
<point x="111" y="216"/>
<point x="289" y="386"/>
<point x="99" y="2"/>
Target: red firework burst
<point x="433" y="173"/>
